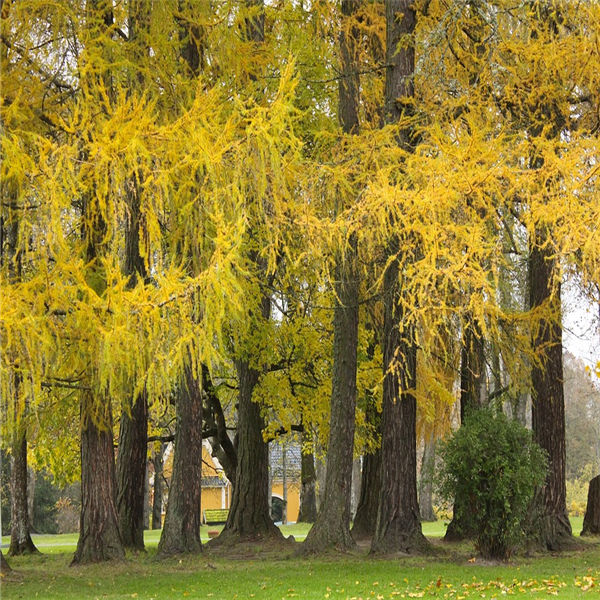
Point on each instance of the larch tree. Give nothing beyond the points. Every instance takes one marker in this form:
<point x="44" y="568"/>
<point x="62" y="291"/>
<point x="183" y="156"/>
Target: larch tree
<point x="398" y="519"/>
<point x="249" y="515"/>
<point x="99" y="535"/>
<point x="133" y="427"/>
<point x="181" y="529"/>
<point x="332" y="527"/>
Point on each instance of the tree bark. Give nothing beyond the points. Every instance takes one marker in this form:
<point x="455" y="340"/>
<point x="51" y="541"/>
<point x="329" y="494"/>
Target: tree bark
<point x="131" y="474"/>
<point x="426" y="481"/>
<point x="133" y="431"/>
<point x="157" y="495"/>
<point x="181" y="531"/>
<point x="249" y="515"/>
<point x="548" y="404"/>
<point x="365" y="519"/>
<point x="398" y="520"/>
<point x="591" y="520"/>
<point x="332" y="527"/>
<point x="20" y="538"/>
<point x="99" y="536"/>
<point x="308" y="491"/>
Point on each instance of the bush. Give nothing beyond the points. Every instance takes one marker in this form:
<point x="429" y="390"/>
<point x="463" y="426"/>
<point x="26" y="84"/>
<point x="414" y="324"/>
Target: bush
<point x="491" y="466"/>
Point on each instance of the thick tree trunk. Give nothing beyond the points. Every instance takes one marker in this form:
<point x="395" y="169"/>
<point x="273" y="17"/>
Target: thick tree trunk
<point x="308" y="492"/>
<point x="250" y="515"/>
<point x="332" y="527"/>
<point x="398" y="526"/>
<point x="157" y="492"/>
<point x="99" y="536"/>
<point x="548" y="405"/>
<point x="20" y="538"/>
<point x="426" y="481"/>
<point x="131" y="474"/>
<point x="181" y="531"/>
<point x="133" y="432"/>
<point x="591" y="520"/>
<point x="471" y="384"/>
<point x="365" y="519"/>
<point x="398" y="520"/>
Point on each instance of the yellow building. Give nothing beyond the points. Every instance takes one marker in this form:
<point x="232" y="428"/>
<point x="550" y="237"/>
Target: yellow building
<point x="216" y="488"/>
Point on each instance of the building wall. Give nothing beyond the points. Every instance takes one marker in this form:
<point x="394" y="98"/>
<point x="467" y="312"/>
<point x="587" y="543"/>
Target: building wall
<point x="217" y="497"/>
<point x="293" y="498"/>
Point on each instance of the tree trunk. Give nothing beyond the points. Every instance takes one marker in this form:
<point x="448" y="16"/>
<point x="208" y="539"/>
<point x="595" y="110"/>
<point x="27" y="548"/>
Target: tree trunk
<point x="332" y="527"/>
<point x="20" y="538"/>
<point x="133" y="432"/>
<point x="471" y="384"/>
<point x="181" y="532"/>
<point x="250" y="515"/>
<point x="31" y="481"/>
<point x="157" y="497"/>
<point x="4" y="566"/>
<point x="426" y="481"/>
<point x="591" y="520"/>
<point x="308" y="492"/>
<point x="365" y="519"/>
<point x="131" y="474"/>
<point x="398" y="520"/>
<point x="548" y="405"/>
<point x="398" y="526"/>
<point x="99" y="536"/>
<point x="355" y="493"/>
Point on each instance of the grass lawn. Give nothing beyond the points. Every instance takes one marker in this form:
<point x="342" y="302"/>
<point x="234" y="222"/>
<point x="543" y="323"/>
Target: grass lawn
<point x="452" y="574"/>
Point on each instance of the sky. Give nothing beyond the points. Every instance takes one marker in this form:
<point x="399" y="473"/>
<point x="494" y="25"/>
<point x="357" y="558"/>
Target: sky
<point x="581" y="325"/>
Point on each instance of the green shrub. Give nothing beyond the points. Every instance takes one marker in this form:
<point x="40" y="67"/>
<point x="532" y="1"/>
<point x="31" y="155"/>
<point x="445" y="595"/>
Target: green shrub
<point x="491" y="467"/>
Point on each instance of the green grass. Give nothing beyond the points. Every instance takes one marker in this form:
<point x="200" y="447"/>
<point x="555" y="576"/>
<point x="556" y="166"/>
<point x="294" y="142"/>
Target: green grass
<point x="451" y="574"/>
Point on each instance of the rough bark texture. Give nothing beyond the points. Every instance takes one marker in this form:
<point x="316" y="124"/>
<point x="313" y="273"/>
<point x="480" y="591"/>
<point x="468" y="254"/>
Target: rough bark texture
<point x="471" y="384"/>
<point x="181" y="532"/>
<point x="332" y="527"/>
<point x="548" y="406"/>
<point x="308" y="492"/>
<point x="365" y="519"/>
<point x="20" y="538"/>
<point x="426" y="481"/>
<point x="157" y="492"/>
<point x="398" y="526"/>
<point x="398" y="520"/>
<point x="99" y="536"/>
<point x="249" y="515"/>
<point x="131" y="474"/>
<point x="591" y="520"/>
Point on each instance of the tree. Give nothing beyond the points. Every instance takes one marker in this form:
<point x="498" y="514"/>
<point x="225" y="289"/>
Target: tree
<point x="398" y="519"/>
<point x="591" y="520"/>
<point x="133" y="429"/>
<point x="99" y="535"/>
<point x="332" y="527"/>
<point x="181" y="530"/>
